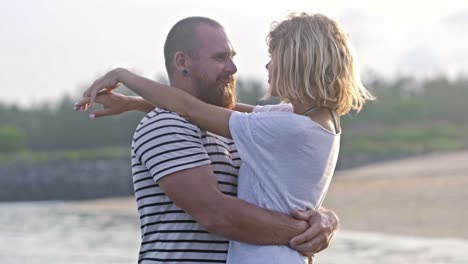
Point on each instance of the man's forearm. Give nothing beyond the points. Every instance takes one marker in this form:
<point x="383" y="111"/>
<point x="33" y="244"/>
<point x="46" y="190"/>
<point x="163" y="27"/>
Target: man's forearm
<point x="245" y="108"/>
<point x="196" y="191"/>
<point x="136" y="103"/>
<point x="238" y="220"/>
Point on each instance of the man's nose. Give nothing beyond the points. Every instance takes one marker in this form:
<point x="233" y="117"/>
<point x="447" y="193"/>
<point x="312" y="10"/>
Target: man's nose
<point x="231" y="67"/>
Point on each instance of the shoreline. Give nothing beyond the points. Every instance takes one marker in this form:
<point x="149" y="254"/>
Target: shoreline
<point x="423" y="196"/>
<point x="417" y="197"/>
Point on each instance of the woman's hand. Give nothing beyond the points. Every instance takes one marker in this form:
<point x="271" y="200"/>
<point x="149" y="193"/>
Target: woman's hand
<point x="113" y="104"/>
<point x="108" y="82"/>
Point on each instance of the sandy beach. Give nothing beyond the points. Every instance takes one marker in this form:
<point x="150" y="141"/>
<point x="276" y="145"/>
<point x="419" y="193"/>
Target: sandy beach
<point x="424" y="196"/>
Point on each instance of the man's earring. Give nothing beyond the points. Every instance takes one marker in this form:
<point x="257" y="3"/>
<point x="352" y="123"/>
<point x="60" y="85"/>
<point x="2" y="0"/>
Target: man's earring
<point x="184" y="72"/>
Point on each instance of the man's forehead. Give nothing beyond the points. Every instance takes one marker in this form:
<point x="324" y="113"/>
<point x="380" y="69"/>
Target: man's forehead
<point x="214" y="39"/>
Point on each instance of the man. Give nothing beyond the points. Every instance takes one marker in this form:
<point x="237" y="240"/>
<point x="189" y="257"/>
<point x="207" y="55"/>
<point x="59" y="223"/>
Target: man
<point x="185" y="179"/>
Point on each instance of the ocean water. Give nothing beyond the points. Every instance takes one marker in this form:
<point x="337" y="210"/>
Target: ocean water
<point x="52" y="232"/>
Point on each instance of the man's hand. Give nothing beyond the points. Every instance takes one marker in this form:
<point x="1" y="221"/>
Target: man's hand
<point x="113" y="104"/>
<point x="323" y="224"/>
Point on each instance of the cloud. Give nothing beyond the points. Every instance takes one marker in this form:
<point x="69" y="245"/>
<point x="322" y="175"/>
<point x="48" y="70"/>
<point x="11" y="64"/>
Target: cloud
<point x="420" y="61"/>
<point x="457" y="22"/>
<point x="364" y="28"/>
<point x="457" y="61"/>
<point x="458" y="56"/>
<point x="357" y="17"/>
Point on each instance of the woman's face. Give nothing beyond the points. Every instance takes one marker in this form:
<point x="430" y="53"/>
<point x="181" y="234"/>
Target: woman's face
<point x="269" y="66"/>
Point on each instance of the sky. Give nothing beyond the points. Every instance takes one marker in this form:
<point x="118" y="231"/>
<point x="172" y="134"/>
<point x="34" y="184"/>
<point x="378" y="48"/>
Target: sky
<point x="49" y="48"/>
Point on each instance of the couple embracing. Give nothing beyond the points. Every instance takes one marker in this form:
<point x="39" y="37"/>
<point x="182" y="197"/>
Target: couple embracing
<point x="218" y="181"/>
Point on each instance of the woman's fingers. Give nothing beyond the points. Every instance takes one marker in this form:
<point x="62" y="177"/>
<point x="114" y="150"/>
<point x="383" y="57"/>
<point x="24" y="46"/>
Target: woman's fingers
<point x="92" y="91"/>
<point x="101" y="86"/>
<point x="92" y="96"/>
<point x="107" y="82"/>
<point x="109" y="101"/>
<point x="84" y="103"/>
<point x="81" y="103"/>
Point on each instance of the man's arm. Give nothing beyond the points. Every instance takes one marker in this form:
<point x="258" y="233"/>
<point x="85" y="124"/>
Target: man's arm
<point x="196" y="192"/>
<point x="245" y="108"/>
<point x="136" y="103"/>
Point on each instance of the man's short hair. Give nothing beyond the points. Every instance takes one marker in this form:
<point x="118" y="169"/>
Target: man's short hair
<point x="183" y="37"/>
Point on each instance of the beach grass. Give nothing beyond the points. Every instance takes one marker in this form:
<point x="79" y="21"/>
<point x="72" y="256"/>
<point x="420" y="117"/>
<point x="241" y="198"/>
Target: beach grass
<point x="405" y="139"/>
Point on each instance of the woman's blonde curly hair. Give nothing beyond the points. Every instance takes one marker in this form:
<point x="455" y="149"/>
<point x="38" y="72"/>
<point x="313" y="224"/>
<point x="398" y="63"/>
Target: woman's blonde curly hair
<point x="314" y="60"/>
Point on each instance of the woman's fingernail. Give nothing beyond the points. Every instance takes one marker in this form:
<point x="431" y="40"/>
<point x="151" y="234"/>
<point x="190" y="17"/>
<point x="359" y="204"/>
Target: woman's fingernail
<point x="92" y="116"/>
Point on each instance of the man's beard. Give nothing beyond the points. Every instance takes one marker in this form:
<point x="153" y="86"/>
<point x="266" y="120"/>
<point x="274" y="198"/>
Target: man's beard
<point x="216" y="95"/>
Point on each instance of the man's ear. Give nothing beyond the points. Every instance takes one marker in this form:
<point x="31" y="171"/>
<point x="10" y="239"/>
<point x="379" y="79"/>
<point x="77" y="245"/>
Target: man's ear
<point x="182" y="61"/>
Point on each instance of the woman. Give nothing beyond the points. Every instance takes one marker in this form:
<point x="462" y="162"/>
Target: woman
<point x="289" y="151"/>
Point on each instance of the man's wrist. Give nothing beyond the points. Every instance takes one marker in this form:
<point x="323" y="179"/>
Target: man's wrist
<point x="138" y="104"/>
<point x="129" y="103"/>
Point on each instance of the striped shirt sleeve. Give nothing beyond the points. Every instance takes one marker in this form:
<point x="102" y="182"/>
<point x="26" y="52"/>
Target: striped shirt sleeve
<point x="166" y="143"/>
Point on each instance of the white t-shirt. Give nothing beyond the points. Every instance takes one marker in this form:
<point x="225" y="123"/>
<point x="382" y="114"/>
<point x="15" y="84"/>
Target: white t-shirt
<point x="288" y="162"/>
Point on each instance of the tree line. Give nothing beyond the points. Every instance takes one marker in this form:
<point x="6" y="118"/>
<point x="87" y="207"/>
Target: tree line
<point x="431" y="109"/>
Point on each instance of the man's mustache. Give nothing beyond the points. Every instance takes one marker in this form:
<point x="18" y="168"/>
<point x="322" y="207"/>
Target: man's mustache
<point x="227" y="78"/>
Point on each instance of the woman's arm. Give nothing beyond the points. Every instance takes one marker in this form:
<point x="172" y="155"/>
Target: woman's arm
<point x="208" y="117"/>
<point x="114" y="104"/>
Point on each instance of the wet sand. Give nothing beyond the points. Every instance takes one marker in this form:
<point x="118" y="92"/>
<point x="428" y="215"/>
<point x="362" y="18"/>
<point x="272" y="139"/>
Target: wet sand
<point x="424" y="196"/>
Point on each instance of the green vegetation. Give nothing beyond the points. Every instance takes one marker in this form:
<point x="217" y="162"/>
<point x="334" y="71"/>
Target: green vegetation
<point x="405" y="139"/>
<point x="11" y="139"/>
<point x="409" y="117"/>
<point x="69" y="155"/>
